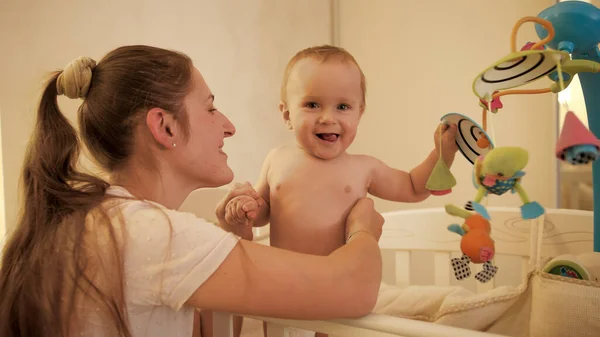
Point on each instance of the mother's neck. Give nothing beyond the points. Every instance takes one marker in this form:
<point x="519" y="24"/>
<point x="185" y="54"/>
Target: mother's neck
<point x="159" y="184"/>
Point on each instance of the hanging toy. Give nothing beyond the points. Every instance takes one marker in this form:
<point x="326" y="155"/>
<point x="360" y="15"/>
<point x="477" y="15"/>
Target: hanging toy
<point x="492" y="106"/>
<point x="576" y="145"/>
<point x="469" y="136"/>
<point x="476" y="245"/>
<point x="441" y="180"/>
<point x="498" y="172"/>
<point x="532" y="63"/>
<point x="528" y="46"/>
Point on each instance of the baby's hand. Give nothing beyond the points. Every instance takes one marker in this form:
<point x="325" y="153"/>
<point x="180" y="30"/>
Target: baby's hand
<point x="241" y="209"/>
<point x="239" y="213"/>
<point x="448" y="143"/>
<point x="230" y="213"/>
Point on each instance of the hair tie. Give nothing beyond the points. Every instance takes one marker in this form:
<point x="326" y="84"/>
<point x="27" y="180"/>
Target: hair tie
<point x="75" y="79"/>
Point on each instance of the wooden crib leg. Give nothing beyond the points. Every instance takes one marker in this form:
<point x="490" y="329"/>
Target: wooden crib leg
<point x="206" y="324"/>
<point x="197" y="330"/>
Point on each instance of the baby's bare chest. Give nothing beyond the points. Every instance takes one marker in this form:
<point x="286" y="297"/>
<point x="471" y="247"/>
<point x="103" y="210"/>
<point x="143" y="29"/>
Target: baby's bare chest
<point x="310" y="202"/>
<point x="328" y="190"/>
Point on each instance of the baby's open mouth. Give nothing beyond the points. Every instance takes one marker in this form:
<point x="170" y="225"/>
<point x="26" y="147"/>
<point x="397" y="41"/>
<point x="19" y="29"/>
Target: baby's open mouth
<point x="328" y="137"/>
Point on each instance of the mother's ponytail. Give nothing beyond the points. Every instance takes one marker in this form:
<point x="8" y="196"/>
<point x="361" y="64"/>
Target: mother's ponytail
<point x="53" y="184"/>
<point x="55" y="192"/>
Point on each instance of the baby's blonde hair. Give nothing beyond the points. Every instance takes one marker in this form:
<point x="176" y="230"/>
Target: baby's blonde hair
<point x="321" y="54"/>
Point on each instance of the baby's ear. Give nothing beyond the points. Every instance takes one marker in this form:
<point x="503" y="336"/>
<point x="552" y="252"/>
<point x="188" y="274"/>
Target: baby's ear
<point x="286" y="114"/>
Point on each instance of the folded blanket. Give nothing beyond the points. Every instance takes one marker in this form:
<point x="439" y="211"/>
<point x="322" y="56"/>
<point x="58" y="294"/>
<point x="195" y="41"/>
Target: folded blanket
<point x="502" y="310"/>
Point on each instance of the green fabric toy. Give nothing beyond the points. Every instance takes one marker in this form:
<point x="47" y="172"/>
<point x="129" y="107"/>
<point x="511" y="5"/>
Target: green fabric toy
<point x="441" y="180"/>
<point x="498" y="172"/>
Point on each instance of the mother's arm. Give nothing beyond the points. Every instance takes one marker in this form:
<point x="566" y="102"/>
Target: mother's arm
<point x="266" y="281"/>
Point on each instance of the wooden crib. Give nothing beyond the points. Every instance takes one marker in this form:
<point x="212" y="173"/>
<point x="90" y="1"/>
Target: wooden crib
<point x="417" y="248"/>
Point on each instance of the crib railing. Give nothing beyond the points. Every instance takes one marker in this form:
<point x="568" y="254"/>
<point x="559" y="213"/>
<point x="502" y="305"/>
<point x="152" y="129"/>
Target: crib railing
<point x="407" y="234"/>
<point x="372" y="325"/>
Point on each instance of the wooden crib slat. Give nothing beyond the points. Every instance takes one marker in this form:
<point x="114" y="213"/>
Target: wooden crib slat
<point x="222" y="324"/>
<point x="525" y="265"/>
<point x="276" y="330"/>
<point x="441" y="265"/>
<point x="402" y="261"/>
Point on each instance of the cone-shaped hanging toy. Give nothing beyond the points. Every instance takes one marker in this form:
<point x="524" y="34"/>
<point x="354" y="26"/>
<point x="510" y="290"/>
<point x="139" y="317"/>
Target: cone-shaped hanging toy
<point x="441" y="180"/>
<point x="576" y="145"/>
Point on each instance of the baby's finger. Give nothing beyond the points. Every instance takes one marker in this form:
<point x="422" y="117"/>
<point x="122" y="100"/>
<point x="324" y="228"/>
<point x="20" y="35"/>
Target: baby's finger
<point x="240" y="214"/>
<point x="230" y="203"/>
<point x="250" y="206"/>
<point x="251" y="215"/>
<point x="229" y="218"/>
<point x="237" y="214"/>
<point x="449" y="127"/>
<point x="230" y="214"/>
<point x="451" y="132"/>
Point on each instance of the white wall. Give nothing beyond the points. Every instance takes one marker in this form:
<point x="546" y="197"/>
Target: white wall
<point x="572" y="99"/>
<point x="419" y="64"/>
<point x="420" y="58"/>
<point x="241" y="47"/>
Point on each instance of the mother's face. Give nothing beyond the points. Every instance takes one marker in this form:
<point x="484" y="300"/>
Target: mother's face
<point x="201" y="158"/>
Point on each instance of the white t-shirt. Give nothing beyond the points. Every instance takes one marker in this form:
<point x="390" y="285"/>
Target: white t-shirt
<point x="160" y="275"/>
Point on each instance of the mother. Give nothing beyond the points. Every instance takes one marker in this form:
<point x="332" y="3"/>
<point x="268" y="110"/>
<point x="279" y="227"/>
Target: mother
<point x="98" y="258"/>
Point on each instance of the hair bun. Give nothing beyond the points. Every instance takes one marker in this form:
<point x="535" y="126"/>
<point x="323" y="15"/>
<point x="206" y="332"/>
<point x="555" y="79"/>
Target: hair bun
<point x="75" y="80"/>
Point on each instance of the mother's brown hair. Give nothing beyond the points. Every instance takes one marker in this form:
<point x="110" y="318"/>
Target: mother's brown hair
<point x="54" y="271"/>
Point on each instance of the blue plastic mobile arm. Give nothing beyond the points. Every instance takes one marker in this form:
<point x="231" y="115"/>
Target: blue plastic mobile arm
<point x="577" y="30"/>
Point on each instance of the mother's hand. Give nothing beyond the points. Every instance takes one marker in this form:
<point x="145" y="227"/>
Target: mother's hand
<point x="237" y="190"/>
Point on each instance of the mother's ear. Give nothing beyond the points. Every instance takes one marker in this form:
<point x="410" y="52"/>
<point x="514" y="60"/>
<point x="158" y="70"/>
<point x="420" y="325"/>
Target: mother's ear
<point x="285" y="112"/>
<point x="163" y="127"/>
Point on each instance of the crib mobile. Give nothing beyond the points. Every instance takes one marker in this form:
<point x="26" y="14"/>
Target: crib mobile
<point x="569" y="33"/>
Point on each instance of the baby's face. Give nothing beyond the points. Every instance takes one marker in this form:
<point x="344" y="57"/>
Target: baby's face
<point x="324" y="106"/>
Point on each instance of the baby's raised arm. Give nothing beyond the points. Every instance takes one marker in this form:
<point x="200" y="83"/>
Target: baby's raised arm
<point x="397" y="185"/>
<point x="393" y="184"/>
<point x="401" y="186"/>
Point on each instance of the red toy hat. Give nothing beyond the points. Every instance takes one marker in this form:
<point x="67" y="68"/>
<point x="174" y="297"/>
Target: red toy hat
<point x="574" y="133"/>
